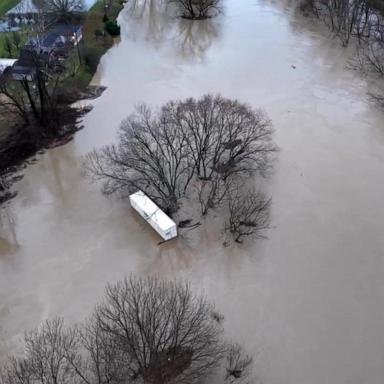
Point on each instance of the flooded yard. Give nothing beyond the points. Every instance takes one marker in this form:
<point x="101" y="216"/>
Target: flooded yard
<point x="309" y="301"/>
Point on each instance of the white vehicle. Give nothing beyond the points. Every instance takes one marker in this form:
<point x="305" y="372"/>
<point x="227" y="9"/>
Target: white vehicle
<point x="5" y="63"/>
<point x="154" y="216"/>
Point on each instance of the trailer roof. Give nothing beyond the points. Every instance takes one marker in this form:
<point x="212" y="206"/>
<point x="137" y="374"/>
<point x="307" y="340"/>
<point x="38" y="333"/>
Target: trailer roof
<point x="25" y="7"/>
<point x="152" y="210"/>
<point x="4" y="63"/>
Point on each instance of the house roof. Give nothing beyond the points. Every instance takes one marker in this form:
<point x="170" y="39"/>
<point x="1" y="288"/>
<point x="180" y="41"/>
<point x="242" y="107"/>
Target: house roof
<point x="25" y="7"/>
<point x="54" y="35"/>
<point x="22" y="70"/>
<point x="59" y="30"/>
<point x="27" y="58"/>
<point x="5" y="63"/>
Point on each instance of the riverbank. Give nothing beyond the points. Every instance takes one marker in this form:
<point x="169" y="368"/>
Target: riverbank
<point x="96" y="41"/>
<point x="19" y="142"/>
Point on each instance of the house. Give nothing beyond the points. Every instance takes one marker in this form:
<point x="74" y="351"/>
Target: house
<point x="23" y="13"/>
<point x="25" y="67"/>
<point x="68" y="32"/>
<point x="59" y="38"/>
<point x="47" y="48"/>
<point x="5" y="26"/>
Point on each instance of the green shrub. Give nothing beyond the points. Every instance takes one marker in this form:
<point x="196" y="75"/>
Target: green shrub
<point x="112" y="28"/>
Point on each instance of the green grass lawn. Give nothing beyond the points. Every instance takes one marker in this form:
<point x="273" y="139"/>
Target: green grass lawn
<point x="94" y="47"/>
<point x="6" y="5"/>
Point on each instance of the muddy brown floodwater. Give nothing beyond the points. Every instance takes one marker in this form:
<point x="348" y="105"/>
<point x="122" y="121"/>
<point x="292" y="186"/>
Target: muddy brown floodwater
<point x="308" y="302"/>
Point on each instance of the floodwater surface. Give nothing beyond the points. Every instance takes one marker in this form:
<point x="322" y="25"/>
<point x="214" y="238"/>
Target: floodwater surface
<point x="309" y="301"/>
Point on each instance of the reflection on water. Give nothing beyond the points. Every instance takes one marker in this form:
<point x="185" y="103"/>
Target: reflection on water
<point x="194" y="38"/>
<point x="8" y="234"/>
<point x="148" y="18"/>
<point x="155" y="22"/>
<point x="310" y="300"/>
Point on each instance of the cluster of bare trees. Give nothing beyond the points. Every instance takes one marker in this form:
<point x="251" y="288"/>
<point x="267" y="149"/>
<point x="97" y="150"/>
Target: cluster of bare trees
<point x="203" y="149"/>
<point x="145" y="331"/>
<point x="361" y="21"/>
<point x="198" y="9"/>
<point x="248" y="214"/>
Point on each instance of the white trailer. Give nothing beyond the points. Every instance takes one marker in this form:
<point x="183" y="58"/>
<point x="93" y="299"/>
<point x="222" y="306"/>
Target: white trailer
<point x="5" y="63"/>
<point x="153" y="215"/>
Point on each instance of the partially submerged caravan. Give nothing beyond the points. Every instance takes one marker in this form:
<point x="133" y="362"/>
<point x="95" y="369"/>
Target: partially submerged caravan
<point x="153" y="215"/>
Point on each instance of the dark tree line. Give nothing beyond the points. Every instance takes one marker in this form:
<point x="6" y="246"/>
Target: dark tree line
<point x="360" y="21"/>
<point x="201" y="149"/>
<point x="144" y="331"/>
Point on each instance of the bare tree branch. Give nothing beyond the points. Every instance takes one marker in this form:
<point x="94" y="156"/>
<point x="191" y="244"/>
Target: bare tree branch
<point x="248" y="214"/>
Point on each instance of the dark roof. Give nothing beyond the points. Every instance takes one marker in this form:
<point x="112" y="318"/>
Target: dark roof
<point x="66" y="30"/>
<point x="23" y="8"/>
<point x="26" y="64"/>
<point x="26" y="59"/>
<point x="21" y="70"/>
<point x="51" y="37"/>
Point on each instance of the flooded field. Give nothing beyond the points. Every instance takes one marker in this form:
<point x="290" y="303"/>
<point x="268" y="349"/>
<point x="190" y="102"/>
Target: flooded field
<point x="309" y="301"/>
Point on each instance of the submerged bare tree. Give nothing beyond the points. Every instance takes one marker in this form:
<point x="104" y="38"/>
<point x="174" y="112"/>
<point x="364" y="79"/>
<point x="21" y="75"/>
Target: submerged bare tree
<point x="248" y="214"/>
<point x="212" y="192"/>
<point x="348" y="19"/>
<point x="207" y="141"/>
<point x="360" y="21"/>
<point x="45" y="360"/>
<point x="369" y="58"/>
<point x="151" y="156"/>
<point x="198" y="9"/>
<point x="146" y="331"/>
<point x="238" y="365"/>
<point x="163" y="330"/>
<point x="224" y="136"/>
<point x="378" y="97"/>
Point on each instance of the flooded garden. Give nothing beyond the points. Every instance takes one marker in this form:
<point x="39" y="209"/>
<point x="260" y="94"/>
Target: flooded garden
<point x="308" y="301"/>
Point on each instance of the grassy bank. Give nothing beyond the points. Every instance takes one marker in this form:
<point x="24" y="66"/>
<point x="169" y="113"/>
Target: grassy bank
<point x="6" y="5"/>
<point x="96" y="41"/>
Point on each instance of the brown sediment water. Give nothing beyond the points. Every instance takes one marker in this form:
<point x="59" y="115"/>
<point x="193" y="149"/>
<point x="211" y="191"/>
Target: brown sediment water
<point x="309" y="301"/>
